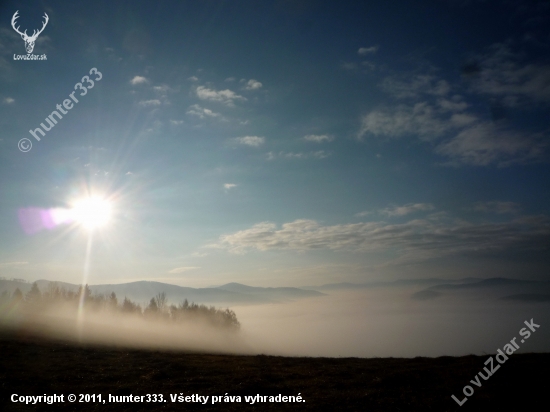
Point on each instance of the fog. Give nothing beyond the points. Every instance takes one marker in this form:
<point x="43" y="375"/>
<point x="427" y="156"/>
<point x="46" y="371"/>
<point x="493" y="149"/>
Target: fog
<point x="388" y="323"/>
<point x="362" y="323"/>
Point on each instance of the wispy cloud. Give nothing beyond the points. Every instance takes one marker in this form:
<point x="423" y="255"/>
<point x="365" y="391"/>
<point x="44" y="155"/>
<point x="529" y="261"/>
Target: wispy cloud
<point x="12" y="264"/>
<point x="319" y="138"/>
<point x="176" y="122"/>
<point x="367" y="50"/>
<point x="229" y="186"/>
<point x="498" y="207"/>
<point x="9" y="100"/>
<point x="226" y="96"/>
<point x="486" y="143"/>
<point x="254" y="141"/>
<point x="501" y="73"/>
<point x="183" y="269"/>
<point x="319" y="154"/>
<point x="201" y="112"/>
<point x="150" y="103"/>
<point x="421" y="239"/>
<point x="139" y="80"/>
<point x="412" y="86"/>
<point x="407" y="209"/>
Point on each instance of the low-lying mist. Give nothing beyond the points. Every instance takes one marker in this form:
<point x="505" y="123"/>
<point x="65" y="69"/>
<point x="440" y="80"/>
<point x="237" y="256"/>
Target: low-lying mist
<point x="382" y="322"/>
<point x="388" y="323"/>
<point x="62" y="321"/>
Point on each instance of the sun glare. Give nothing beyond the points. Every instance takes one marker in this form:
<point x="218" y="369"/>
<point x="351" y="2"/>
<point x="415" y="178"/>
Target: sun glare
<point x="92" y="213"/>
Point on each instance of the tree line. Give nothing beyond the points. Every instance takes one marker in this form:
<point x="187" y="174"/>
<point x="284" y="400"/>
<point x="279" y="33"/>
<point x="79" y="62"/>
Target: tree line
<point x="158" y="307"/>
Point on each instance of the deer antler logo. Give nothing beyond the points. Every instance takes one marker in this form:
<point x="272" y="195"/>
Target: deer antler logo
<point x="29" y="40"/>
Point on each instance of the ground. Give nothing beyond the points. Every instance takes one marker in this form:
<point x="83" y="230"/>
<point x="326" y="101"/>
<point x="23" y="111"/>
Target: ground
<point x="35" y="366"/>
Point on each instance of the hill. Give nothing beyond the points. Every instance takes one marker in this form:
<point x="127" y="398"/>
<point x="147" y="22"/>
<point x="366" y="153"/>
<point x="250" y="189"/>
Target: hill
<point x="142" y="291"/>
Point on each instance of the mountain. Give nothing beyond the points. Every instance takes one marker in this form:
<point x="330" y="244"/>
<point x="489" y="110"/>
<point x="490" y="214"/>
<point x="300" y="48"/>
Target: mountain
<point x="143" y="291"/>
<point x="394" y="283"/>
<point x="282" y="293"/>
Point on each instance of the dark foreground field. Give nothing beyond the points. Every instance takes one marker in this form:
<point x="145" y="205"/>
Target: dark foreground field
<point x="33" y="366"/>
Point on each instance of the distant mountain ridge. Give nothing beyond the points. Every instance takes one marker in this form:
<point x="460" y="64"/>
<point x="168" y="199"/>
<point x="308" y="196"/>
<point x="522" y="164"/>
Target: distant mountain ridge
<point x="143" y="291"/>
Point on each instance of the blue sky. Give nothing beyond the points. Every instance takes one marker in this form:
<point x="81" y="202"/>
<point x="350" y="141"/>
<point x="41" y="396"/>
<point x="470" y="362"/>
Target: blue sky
<point x="279" y="143"/>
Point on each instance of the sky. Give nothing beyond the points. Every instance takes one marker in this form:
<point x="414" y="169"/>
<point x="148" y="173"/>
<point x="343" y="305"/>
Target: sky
<point x="276" y="143"/>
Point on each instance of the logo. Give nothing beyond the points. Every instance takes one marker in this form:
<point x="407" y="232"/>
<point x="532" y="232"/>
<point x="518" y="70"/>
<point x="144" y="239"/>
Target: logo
<point x="29" y="40"/>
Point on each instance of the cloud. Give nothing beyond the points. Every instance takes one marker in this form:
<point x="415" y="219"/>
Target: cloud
<point x="415" y="239"/>
<point x="254" y="141"/>
<point x="363" y="213"/>
<point x="497" y="207"/>
<point x="226" y="96"/>
<point x="9" y="100"/>
<point x="193" y="79"/>
<point x="501" y="73"/>
<point x="139" y="80"/>
<point x="318" y="138"/>
<point x="460" y="136"/>
<point x="486" y="143"/>
<point x="150" y="103"/>
<point x="349" y="66"/>
<point x="407" y="209"/>
<point x="319" y="154"/>
<point x="183" y="269"/>
<point x="253" y="85"/>
<point x="228" y="186"/>
<point x="176" y="122"/>
<point x="201" y="112"/>
<point x="407" y="86"/>
<point x="12" y="264"/>
<point x="422" y="119"/>
<point x="367" y="50"/>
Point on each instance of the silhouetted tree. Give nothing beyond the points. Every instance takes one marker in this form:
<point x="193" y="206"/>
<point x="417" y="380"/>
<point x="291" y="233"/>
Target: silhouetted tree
<point x="33" y="295"/>
<point x="17" y="295"/>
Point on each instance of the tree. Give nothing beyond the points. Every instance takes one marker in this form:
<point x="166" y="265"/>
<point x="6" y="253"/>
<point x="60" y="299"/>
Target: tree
<point x="161" y="301"/>
<point x="113" y="301"/>
<point x="34" y="294"/>
<point x="17" y="294"/>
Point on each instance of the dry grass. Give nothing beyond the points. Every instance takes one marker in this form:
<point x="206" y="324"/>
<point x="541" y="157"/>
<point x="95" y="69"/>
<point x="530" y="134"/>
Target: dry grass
<point x="34" y="366"/>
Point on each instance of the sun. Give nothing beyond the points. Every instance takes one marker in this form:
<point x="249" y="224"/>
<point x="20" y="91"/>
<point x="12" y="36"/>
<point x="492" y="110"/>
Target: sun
<point x="92" y="212"/>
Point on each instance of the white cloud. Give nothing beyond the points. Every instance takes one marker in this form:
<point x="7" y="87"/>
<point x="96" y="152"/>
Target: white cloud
<point x="201" y="112"/>
<point x="226" y="96"/>
<point x="253" y="85"/>
<point x="363" y="213"/>
<point x="367" y="50"/>
<point x="193" y="79"/>
<point x="228" y="186"/>
<point x="9" y="100"/>
<point x="254" y="141"/>
<point x="319" y="154"/>
<point x="318" y="138"/>
<point x="176" y="122"/>
<point x="230" y="79"/>
<point x="183" y="269"/>
<point x="422" y="239"/>
<point x="407" y="209"/>
<point x="498" y="207"/>
<point x="150" y="103"/>
<point x="139" y="80"/>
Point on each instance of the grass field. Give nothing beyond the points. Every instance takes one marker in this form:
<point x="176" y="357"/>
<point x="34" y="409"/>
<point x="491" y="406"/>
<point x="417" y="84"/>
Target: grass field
<point x="35" y="366"/>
